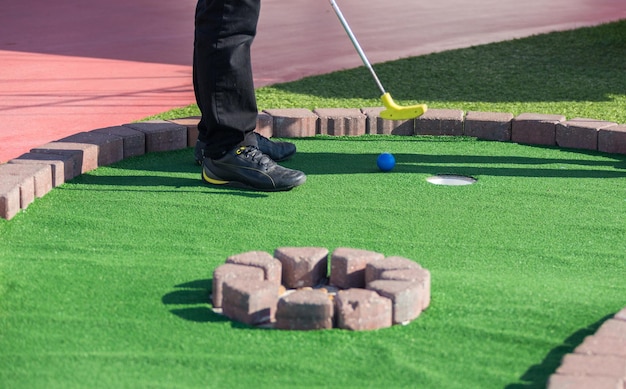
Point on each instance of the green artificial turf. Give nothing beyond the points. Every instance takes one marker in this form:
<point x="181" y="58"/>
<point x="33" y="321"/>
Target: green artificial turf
<point x="578" y="73"/>
<point x="105" y="281"/>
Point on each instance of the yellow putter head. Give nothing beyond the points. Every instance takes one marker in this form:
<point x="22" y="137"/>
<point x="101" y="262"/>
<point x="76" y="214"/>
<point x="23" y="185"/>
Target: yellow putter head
<point x="394" y="111"/>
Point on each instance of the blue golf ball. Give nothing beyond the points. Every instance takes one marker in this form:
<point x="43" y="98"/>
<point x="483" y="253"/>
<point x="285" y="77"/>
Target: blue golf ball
<point x="386" y="162"/>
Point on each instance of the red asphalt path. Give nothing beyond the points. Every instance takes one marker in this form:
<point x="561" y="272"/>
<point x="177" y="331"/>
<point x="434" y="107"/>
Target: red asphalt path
<point x="68" y="66"/>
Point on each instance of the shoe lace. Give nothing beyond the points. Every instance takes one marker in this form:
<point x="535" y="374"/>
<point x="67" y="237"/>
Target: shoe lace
<point x="255" y="155"/>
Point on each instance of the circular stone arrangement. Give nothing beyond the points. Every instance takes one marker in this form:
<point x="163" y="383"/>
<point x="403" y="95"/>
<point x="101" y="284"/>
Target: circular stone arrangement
<point x="292" y="289"/>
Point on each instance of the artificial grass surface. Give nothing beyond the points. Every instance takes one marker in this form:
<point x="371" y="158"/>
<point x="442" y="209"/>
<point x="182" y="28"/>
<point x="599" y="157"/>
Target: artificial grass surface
<point x="104" y="282"/>
<point x="577" y="73"/>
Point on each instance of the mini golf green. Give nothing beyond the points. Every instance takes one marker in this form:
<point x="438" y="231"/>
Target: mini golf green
<point x="104" y="282"/>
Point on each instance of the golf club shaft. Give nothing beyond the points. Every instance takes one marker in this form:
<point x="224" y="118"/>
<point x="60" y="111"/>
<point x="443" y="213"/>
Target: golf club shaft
<point x="357" y="46"/>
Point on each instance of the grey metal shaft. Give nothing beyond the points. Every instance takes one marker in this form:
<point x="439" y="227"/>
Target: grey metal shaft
<point x="357" y="46"/>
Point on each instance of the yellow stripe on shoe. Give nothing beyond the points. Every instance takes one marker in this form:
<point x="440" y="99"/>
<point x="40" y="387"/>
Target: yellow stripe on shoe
<point x="212" y="180"/>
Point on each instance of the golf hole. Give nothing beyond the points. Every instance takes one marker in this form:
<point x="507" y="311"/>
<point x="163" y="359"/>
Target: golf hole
<point x="451" y="180"/>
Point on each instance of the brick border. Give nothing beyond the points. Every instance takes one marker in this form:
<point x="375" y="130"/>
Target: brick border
<point x="64" y="159"/>
<point x="598" y="362"/>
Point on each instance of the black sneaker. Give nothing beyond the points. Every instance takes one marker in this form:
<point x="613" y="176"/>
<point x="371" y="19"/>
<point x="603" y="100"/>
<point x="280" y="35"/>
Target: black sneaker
<point x="278" y="151"/>
<point x="247" y="167"/>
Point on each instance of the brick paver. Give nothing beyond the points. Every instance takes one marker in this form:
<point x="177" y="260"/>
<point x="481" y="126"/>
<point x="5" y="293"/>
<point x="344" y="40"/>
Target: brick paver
<point x="302" y="266"/>
<point x="9" y="199"/>
<point x="84" y="156"/>
<point x="265" y="124"/>
<point x="374" y="269"/>
<point x="272" y="267"/>
<point x="229" y="271"/>
<point x="488" y="125"/>
<point x="404" y="295"/>
<point x="61" y="166"/>
<point x="191" y="123"/>
<point x="598" y="362"/>
<point x="602" y="345"/>
<point x="613" y="328"/>
<point x="440" y="122"/>
<point x="25" y="185"/>
<point x="377" y="125"/>
<point x="134" y="141"/>
<point x="361" y="309"/>
<point x="293" y="123"/>
<point x="305" y="310"/>
<point x="161" y="135"/>
<point x="535" y="129"/>
<point x="580" y="133"/>
<point x="250" y="302"/>
<point x="41" y="175"/>
<point x="340" y="121"/>
<point x="419" y="276"/>
<point x="612" y="139"/>
<point x="593" y="365"/>
<point x="558" y="381"/>
<point x="110" y="147"/>
<point x="348" y="266"/>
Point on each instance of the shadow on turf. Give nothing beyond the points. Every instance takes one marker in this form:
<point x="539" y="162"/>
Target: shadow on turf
<point x="163" y="183"/>
<point x="193" y="298"/>
<point x="537" y="375"/>
<point x="342" y="163"/>
<point x="172" y="171"/>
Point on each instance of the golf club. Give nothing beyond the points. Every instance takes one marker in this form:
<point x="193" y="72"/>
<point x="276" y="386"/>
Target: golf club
<point x="393" y="111"/>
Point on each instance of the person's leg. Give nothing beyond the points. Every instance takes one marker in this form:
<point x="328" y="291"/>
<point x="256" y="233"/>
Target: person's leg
<point x="222" y="73"/>
<point x="224" y="87"/>
<point x="223" y="81"/>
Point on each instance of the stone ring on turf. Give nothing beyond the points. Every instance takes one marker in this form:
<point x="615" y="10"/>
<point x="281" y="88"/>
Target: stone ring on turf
<point x="291" y="290"/>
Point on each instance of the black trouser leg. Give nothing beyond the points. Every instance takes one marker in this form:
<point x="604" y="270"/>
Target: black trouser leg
<point x="222" y="73"/>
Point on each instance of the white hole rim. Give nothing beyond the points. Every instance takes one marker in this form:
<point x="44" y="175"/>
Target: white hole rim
<point x="451" y="180"/>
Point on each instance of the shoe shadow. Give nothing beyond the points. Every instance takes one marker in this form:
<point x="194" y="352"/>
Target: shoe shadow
<point x="157" y="183"/>
<point x="172" y="171"/>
